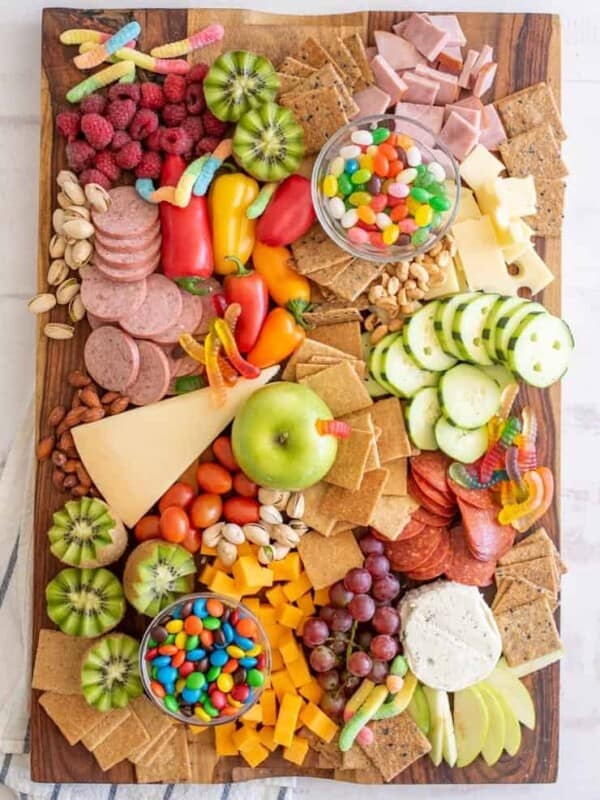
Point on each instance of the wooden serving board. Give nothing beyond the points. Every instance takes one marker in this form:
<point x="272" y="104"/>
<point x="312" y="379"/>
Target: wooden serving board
<point x="527" y="48"/>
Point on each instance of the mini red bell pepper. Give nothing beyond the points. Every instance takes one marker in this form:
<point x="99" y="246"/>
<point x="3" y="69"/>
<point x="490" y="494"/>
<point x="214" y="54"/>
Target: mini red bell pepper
<point x="249" y="289"/>
<point x="186" y="232"/>
<point x="289" y="214"/>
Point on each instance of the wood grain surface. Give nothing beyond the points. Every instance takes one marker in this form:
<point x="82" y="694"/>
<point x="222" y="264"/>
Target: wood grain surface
<point x="527" y="48"/>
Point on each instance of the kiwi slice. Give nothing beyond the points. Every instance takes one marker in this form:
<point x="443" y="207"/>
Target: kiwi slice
<point x="110" y="674"/>
<point x="85" y="602"/>
<point x="156" y="574"/>
<point x="86" y="533"/>
<point x="268" y="142"/>
<point x="238" y="81"/>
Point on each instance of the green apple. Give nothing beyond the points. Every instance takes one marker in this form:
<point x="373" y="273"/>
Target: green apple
<point x="418" y="708"/>
<point x="441" y="736"/>
<point x="512" y="739"/>
<point x="503" y="679"/>
<point x="276" y="440"/>
<point x="496" y="735"/>
<point x="471" y="724"/>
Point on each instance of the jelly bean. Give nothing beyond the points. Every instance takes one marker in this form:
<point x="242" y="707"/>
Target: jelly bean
<point x="186" y="669"/>
<point x="419" y="194"/>
<point x="167" y="675"/>
<point x="404" y="141"/>
<point x="382" y="220"/>
<point x="193" y="625"/>
<point x="436" y="169"/>
<point x="438" y="189"/>
<point x="372" y="150"/>
<point x="330" y="186"/>
<point x="178" y="659"/>
<point x="374" y="185"/>
<point x="436" y="220"/>
<point x="380" y="135"/>
<point x="218" y="658"/>
<point x="423" y="216"/>
<point x="399" y="212"/>
<point x="180" y="640"/>
<point x="420" y="236"/>
<point x="407" y="175"/>
<point x="360" y="187"/>
<point x="171" y="703"/>
<point x="395" y="168"/>
<point x="345" y="184"/>
<point x="190" y="695"/>
<point x="398" y="190"/>
<point x="337" y="166"/>
<point x="360" y="198"/>
<point x="336" y="207"/>
<point x="360" y="176"/>
<point x="362" y="137"/>
<point x="352" y="166"/>
<point x="201" y="714"/>
<point x="255" y="678"/>
<point x="412" y="205"/>
<point x="180" y="685"/>
<point x="240" y="692"/>
<point x="162" y="661"/>
<point x="407" y="225"/>
<point x="440" y="203"/>
<point x="376" y="239"/>
<point x="387" y="150"/>
<point x="381" y="165"/>
<point x="350" y="151"/>
<point x="366" y="214"/>
<point x="350" y="218"/>
<point x="157" y="689"/>
<point x="365" y="226"/>
<point x="358" y="236"/>
<point x="225" y="682"/>
<point x="366" y="162"/>
<point x="174" y="626"/>
<point x="379" y="202"/>
<point x="200" y="607"/>
<point x="390" y="234"/>
<point x="413" y="156"/>
<point x="213" y="673"/>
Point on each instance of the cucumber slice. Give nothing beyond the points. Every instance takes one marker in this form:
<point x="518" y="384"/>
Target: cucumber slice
<point x="444" y="318"/>
<point x="502" y="306"/>
<point x="469" y="398"/>
<point x="500" y="374"/>
<point x="400" y="372"/>
<point x="467" y="328"/>
<point x="376" y="361"/>
<point x="540" y="348"/>
<point x="422" y="343"/>
<point x="508" y="323"/>
<point x="462" y="445"/>
<point x="374" y="389"/>
<point x="421" y="415"/>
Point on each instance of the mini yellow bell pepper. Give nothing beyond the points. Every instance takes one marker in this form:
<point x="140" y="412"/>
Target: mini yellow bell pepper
<point x="233" y="232"/>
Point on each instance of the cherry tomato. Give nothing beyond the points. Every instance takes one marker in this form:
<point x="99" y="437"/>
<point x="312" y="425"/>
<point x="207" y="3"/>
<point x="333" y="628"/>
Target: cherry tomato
<point x="213" y="478"/>
<point x="244" y="486"/>
<point x="180" y="494"/>
<point x="223" y="453"/>
<point x="147" y="528"/>
<point x="193" y="540"/>
<point x="174" y="524"/>
<point x="241" y="510"/>
<point x="206" y="510"/>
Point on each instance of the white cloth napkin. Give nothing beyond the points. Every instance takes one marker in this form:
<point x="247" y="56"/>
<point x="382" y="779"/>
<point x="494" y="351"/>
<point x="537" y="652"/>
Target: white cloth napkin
<point x="17" y="490"/>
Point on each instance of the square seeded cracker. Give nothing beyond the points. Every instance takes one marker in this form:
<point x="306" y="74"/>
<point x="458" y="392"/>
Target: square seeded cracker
<point x="340" y="388"/>
<point x="345" y="61"/>
<point x="532" y="106"/>
<point x="517" y="593"/>
<point x="288" y="83"/>
<point x="118" y="745"/>
<point x="356" y="507"/>
<point x="357" y="48"/>
<point x="312" y="53"/>
<point x="319" y="113"/>
<point x="308" y="349"/>
<point x="355" y="278"/>
<point x="58" y="662"/>
<point x="295" y="68"/>
<point x="315" y="251"/>
<point x="72" y="714"/>
<point x="535" y="152"/>
<point x="547" y="221"/>
<point x="326" y="76"/>
<point x="397" y="742"/>
<point x="528" y="632"/>
<point x="540" y="571"/>
<point x="327" y="559"/>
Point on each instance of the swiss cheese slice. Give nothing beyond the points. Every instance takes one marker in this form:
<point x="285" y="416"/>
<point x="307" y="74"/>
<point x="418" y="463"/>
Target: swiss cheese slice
<point x="480" y="167"/>
<point x="134" y="457"/>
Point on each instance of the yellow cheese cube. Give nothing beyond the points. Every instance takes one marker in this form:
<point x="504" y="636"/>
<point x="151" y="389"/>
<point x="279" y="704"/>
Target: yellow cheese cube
<point x="322" y="596"/>
<point x="245" y="590"/>
<point x="245" y="738"/>
<point x="268" y="703"/>
<point x="306" y="604"/>
<point x="276" y="660"/>
<point x="245" y="549"/>
<point x="205" y="550"/>
<point x="290" y="708"/>
<point x="253" y="604"/>
<point x="253" y="714"/>
<point x="318" y="722"/>
<point x="248" y="572"/>
<point x="480" y="166"/>
<point x="295" y="589"/>
<point x="282" y="684"/>
<point x="275" y="596"/>
<point x="288" y="647"/>
<point x="288" y="569"/>
<point x="265" y="735"/>
<point x="207" y="574"/>
<point x="224" y="584"/>
<point x="196" y="730"/>
<point x="296" y="752"/>
<point x="298" y="671"/>
<point x="311" y="691"/>
<point x="274" y="633"/>
<point x="255" y="755"/>
<point x="267" y="614"/>
<point x="290" y="616"/>
<point x="224" y="744"/>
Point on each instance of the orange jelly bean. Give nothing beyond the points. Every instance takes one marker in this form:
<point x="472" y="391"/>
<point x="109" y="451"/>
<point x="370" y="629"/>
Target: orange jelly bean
<point x="157" y="689"/>
<point x="214" y="607"/>
<point x="246" y="627"/>
<point x="178" y="659"/>
<point x="366" y="214"/>
<point x="399" y="212"/>
<point x="380" y="165"/>
<point x="404" y="141"/>
<point x="389" y="152"/>
<point x="395" y="168"/>
<point x="193" y="625"/>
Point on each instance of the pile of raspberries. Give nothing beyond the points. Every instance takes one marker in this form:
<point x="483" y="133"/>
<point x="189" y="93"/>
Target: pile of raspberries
<point x="133" y="124"/>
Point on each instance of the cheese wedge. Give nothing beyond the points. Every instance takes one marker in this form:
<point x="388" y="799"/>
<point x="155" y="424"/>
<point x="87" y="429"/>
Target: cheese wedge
<point x="134" y="457"/>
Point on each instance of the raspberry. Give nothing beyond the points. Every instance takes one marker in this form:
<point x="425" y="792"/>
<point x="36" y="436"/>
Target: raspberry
<point x="173" y="114"/>
<point x="212" y="125"/>
<point x="97" y="130"/>
<point x="80" y="155"/>
<point x="106" y="163"/>
<point x="143" y="124"/>
<point x="69" y="124"/>
<point x="176" y="141"/>
<point x="120" y="113"/>
<point x="93" y="104"/>
<point x="149" y="166"/>
<point x="119" y="139"/>
<point x="194" y="98"/>
<point x="206" y="145"/>
<point x="152" y="96"/>
<point x="194" y="126"/>
<point x="174" y="88"/>
<point x="125" y="91"/>
<point x="197" y="73"/>
<point x="129" y="155"/>
<point x="94" y="176"/>
<point x="152" y="142"/>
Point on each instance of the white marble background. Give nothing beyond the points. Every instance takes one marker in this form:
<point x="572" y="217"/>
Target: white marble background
<point x="579" y="774"/>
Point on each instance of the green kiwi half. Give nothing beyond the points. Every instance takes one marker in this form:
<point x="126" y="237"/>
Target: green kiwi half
<point x="156" y="574"/>
<point x="86" y="533"/>
<point x="238" y="81"/>
<point x="110" y="674"/>
<point x="85" y="602"/>
<point x="268" y="142"/>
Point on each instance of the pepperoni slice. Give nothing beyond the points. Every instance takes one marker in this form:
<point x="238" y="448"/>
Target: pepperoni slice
<point x="427" y="502"/>
<point x="432" y="467"/>
<point x="444" y="500"/>
<point x="486" y="537"/>
<point x="412" y="528"/>
<point x="481" y="498"/>
<point x="463" y="568"/>
<point x="437" y="563"/>
<point x="408" y="556"/>
<point x="427" y="518"/>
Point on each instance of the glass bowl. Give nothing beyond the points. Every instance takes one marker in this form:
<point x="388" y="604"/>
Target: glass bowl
<point x="431" y="149"/>
<point x="162" y="618"/>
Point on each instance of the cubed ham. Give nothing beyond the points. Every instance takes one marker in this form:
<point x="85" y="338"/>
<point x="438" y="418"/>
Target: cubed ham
<point x="398" y="28"/>
<point x="465" y="75"/>
<point x="470" y="102"/>
<point x="492" y="132"/>
<point x="419" y="89"/>
<point x="370" y="52"/>
<point x="485" y="79"/>
<point x="451" y="59"/>
<point x="485" y="57"/>
<point x="371" y="100"/>
<point x="472" y="115"/>
<point x="449" y="89"/>
<point x="426" y="37"/>
<point x="459" y="136"/>
<point x="429" y="116"/>
<point x="450" y="24"/>
<point x="398" y="52"/>
<point x="388" y="80"/>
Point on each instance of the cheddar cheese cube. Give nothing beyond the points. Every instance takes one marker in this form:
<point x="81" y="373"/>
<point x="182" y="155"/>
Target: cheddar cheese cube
<point x="224" y="744"/>
<point x="268" y="703"/>
<point x="282" y="684"/>
<point x="196" y="730"/>
<point x="265" y="735"/>
<point x="248" y="572"/>
<point x="267" y="614"/>
<point x="290" y="708"/>
<point x="224" y="584"/>
<point x="275" y="633"/>
<point x="318" y="722"/>
<point x="299" y="672"/>
<point x="288" y="647"/>
<point x="276" y="660"/>
<point x="311" y="691"/>
<point x="321" y="596"/>
<point x="245" y="738"/>
<point x="296" y="751"/>
<point x="255" y="755"/>
<point x="207" y="574"/>
<point x="253" y="604"/>
<point x="295" y="589"/>
<point x="306" y="604"/>
<point x="275" y="596"/>
<point x="290" y="616"/>
<point x="288" y="569"/>
<point x="254" y="714"/>
<point x="205" y="550"/>
<point x="245" y="549"/>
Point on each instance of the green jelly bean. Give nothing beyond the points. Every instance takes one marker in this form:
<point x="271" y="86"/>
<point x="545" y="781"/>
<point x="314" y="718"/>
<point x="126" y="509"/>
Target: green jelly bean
<point x="361" y="187"/>
<point x="192" y="642"/>
<point x="419" y="194"/>
<point x="345" y="185"/>
<point x="437" y="189"/>
<point x="380" y="135"/>
<point x="440" y="203"/>
<point x="254" y="677"/>
<point x="420" y="236"/>
<point x="211" y="623"/>
<point x="399" y="666"/>
<point x="213" y="673"/>
<point x="436" y="220"/>
<point x="209" y="708"/>
<point x="195" y="680"/>
<point x="360" y="176"/>
<point x="421" y="170"/>
<point x="171" y="703"/>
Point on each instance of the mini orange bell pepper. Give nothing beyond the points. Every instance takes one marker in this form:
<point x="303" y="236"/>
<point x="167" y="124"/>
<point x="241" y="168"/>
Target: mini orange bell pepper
<point x="281" y="334"/>
<point x="276" y="266"/>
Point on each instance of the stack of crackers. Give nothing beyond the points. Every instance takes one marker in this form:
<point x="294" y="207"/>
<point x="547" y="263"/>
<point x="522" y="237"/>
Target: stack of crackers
<point x="528" y="588"/>
<point x="535" y="131"/>
<point x="316" y="83"/>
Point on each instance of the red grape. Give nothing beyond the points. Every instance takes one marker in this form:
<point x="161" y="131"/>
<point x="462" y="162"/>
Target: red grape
<point x="386" y="588"/>
<point x="383" y="647"/>
<point x="362" y="607"/>
<point x="326" y="613"/>
<point x="358" y="580"/>
<point x="314" y="632"/>
<point x="363" y="639"/>
<point x="369" y="544"/>
<point x="378" y="672"/>
<point x="332" y="703"/>
<point x="339" y="643"/>
<point x="385" y="620"/>
<point x="339" y="596"/>
<point x="342" y="620"/>
<point x="378" y="565"/>
<point x="351" y="682"/>
<point x="321" y="659"/>
<point x="359" y="664"/>
<point x="330" y="680"/>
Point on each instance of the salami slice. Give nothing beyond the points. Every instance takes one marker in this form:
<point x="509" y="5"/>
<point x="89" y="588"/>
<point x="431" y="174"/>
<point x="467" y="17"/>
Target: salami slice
<point x="94" y="322"/>
<point x="135" y="244"/>
<point x="443" y="500"/>
<point x="188" y="322"/>
<point x="112" y="358"/>
<point x="153" y="377"/>
<point x="117" y="259"/>
<point x="126" y="275"/>
<point x="432" y="467"/>
<point x="463" y="568"/>
<point x="128" y="216"/>
<point x="159" y="311"/>
<point x="427" y="518"/>
<point x="188" y="366"/>
<point x="408" y="555"/>
<point x="427" y="502"/>
<point x="109" y="300"/>
<point x="437" y="563"/>
<point x="486" y="538"/>
<point x="481" y="498"/>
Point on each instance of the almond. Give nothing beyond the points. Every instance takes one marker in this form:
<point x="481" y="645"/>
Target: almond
<point x="108" y="397"/>
<point x="70" y="481"/>
<point x="56" y="416"/>
<point x="76" y="401"/>
<point x="84" y="478"/>
<point x="66" y="442"/>
<point x="93" y="414"/>
<point x="70" y="465"/>
<point x="59" y="459"/>
<point x="78" y="379"/>
<point x="45" y="448"/>
<point x="118" y="405"/>
<point x="74" y="416"/>
<point x="79" y="490"/>
<point x="90" y="397"/>
<point x="58" y="479"/>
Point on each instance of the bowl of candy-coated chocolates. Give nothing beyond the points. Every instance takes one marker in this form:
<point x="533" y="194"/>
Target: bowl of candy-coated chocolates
<point x="385" y="188"/>
<point x="205" y="659"/>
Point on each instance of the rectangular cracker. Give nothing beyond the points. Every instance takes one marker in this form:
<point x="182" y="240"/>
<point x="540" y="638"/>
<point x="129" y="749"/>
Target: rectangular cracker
<point x="344" y="60"/>
<point x="153" y="749"/>
<point x="305" y="370"/>
<point x="322" y="316"/>
<point x="397" y="742"/>
<point x="351" y="460"/>
<point x="540" y="571"/>
<point x="71" y="713"/>
<point x="315" y="251"/>
<point x="547" y="221"/>
<point x="313" y="515"/>
<point x="394" y="442"/>
<point x="109" y="723"/>
<point x="155" y="723"/>
<point x="395" y="485"/>
<point x="528" y="632"/>
<point x="518" y="593"/>
<point x="58" y="662"/>
<point x="174" y="765"/>
<point x="357" y="507"/>
<point x="392" y="514"/>
<point x="355" y="758"/>
<point x="129" y="735"/>
<point x="355" y="278"/>
<point x="312" y="53"/>
<point x="288" y="83"/>
<point x="343" y="336"/>
<point x="355" y="45"/>
<point x="340" y="388"/>
<point x="307" y="349"/>
<point x="327" y="275"/>
<point x="320" y="113"/>
<point x="534" y="105"/>
<point x="327" y="559"/>
<point x="297" y="69"/>
<point x="539" y="535"/>
<point x="536" y="545"/>
<point x="535" y="152"/>
<point x="326" y="76"/>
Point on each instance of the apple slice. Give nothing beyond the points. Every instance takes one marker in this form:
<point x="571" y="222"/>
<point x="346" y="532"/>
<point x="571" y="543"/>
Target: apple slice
<point x="418" y="708"/>
<point x="449" y="750"/>
<point x="436" y="734"/>
<point x="514" y="692"/>
<point x="496" y="735"/>
<point x="471" y="723"/>
<point x="512" y="740"/>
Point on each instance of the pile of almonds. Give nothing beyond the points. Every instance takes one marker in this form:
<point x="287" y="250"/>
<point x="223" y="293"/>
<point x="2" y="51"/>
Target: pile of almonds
<point x="70" y="249"/>
<point x="69" y="475"/>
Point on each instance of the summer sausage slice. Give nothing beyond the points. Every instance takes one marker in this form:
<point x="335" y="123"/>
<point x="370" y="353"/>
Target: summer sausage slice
<point x="126" y="275"/>
<point x="94" y="322"/>
<point x="122" y="260"/>
<point x="109" y="300"/>
<point x="153" y="377"/>
<point x="189" y="319"/>
<point x="159" y="311"/>
<point x="135" y="244"/>
<point x="112" y="358"/>
<point x="128" y="215"/>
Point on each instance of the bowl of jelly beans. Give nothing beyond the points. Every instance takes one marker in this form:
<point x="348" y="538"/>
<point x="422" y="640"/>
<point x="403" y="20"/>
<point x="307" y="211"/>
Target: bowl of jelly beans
<point x="384" y="195"/>
<point x="205" y="659"/>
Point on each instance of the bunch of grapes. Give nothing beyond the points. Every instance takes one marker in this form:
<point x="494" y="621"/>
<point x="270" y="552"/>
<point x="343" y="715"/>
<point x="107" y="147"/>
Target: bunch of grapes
<point x="356" y="635"/>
